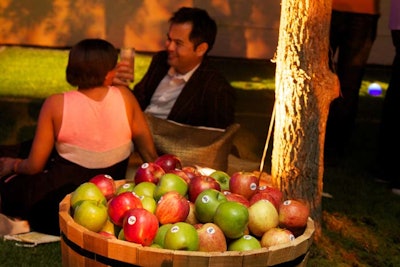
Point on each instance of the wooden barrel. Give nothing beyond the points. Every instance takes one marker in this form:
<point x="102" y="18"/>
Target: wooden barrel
<point x="81" y="247"/>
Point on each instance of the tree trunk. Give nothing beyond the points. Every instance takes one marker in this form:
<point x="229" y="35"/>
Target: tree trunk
<point x="305" y="88"/>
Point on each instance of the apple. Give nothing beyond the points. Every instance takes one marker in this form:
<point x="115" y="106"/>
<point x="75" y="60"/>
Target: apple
<point x="244" y="183"/>
<point x="264" y="195"/>
<point x="191" y="171"/>
<point x="169" y="162"/>
<point x="276" y="236"/>
<point x="108" y="229"/>
<point x="160" y="235"/>
<point x="105" y="183"/>
<point x="244" y="243"/>
<point x="262" y="217"/>
<point x="144" y="189"/>
<point x="232" y="217"/>
<point x="140" y="226"/>
<point x="207" y="203"/>
<point x="293" y="215"/>
<point x="148" y="203"/>
<point x="236" y="197"/>
<point x="191" y="218"/>
<point x="170" y="182"/>
<point x="87" y="191"/>
<point x="172" y="207"/>
<point x="121" y="235"/>
<point x="181" y="174"/>
<point x="126" y="187"/>
<point x="91" y="214"/>
<point x="274" y="192"/>
<point x="182" y="236"/>
<point x="211" y="238"/>
<point x="200" y="183"/>
<point x="119" y="204"/>
<point x="222" y="178"/>
<point x="148" y="172"/>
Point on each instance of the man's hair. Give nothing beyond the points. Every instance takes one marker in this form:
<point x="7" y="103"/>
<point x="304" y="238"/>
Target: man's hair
<point x="89" y="62"/>
<point x="204" y="28"/>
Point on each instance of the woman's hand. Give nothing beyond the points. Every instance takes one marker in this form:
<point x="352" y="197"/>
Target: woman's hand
<point x="124" y="74"/>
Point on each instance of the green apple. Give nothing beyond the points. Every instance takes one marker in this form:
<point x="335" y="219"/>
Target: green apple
<point x="244" y="243"/>
<point x="121" y="234"/>
<point x="145" y="189"/>
<point x="232" y="217"/>
<point x="170" y="182"/>
<point x="126" y="187"/>
<point x="222" y="178"/>
<point x="91" y="215"/>
<point x="160" y="235"/>
<point x="207" y="203"/>
<point x="182" y="236"/>
<point x="87" y="191"/>
<point x="149" y="203"/>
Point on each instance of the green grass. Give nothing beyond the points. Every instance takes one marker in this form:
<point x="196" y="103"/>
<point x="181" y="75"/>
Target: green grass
<point x="360" y="223"/>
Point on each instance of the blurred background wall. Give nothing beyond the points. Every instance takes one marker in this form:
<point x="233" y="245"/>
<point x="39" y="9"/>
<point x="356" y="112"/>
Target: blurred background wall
<point x="246" y="28"/>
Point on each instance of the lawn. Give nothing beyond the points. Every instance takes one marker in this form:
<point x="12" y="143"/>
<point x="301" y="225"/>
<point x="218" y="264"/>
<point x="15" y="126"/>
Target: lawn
<point x="360" y="221"/>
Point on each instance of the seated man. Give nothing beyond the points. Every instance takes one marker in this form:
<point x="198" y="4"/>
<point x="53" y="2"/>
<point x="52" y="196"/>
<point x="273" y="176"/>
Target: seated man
<point x="180" y="84"/>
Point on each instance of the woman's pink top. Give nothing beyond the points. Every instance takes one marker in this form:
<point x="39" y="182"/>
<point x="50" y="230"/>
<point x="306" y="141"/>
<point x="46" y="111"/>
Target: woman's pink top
<point x="94" y="134"/>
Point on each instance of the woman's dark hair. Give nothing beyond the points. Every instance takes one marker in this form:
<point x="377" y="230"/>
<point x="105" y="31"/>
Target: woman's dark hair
<point x="89" y="62"/>
<point x="204" y="28"/>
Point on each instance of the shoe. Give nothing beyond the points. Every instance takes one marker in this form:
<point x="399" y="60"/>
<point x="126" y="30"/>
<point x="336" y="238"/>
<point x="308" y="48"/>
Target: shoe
<point x="396" y="191"/>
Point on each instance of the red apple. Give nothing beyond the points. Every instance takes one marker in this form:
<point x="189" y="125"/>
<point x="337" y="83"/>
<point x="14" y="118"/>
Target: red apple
<point x="236" y="197"/>
<point x="169" y="162"/>
<point x="276" y="236"/>
<point x="172" y="208"/>
<point x="140" y="226"/>
<point x="148" y="172"/>
<point x="191" y="171"/>
<point x="211" y="238"/>
<point x="244" y="183"/>
<point x="274" y="192"/>
<point x="200" y="183"/>
<point x="181" y="174"/>
<point x="264" y="195"/>
<point x="106" y="184"/>
<point x="191" y="218"/>
<point x="119" y="204"/>
<point x="293" y="215"/>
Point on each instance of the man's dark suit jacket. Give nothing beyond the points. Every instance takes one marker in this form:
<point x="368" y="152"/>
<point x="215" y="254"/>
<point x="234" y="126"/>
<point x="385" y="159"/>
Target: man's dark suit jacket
<point x="207" y="99"/>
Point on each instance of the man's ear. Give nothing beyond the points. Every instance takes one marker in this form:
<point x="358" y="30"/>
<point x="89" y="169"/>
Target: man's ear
<point x="201" y="49"/>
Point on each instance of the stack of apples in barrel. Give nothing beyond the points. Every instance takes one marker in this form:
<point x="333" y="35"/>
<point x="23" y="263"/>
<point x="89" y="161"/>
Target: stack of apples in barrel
<point x="171" y="206"/>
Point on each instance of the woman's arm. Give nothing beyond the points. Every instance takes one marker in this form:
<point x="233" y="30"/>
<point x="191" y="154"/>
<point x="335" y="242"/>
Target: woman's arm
<point x="44" y="139"/>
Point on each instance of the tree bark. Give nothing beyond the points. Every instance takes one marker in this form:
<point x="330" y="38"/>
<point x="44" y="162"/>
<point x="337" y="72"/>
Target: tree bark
<point x="305" y="87"/>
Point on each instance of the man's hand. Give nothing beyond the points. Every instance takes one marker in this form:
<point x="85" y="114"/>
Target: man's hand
<point x="124" y="74"/>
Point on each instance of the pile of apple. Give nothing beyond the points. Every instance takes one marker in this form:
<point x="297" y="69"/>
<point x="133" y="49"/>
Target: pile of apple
<point x="177" y="207"/>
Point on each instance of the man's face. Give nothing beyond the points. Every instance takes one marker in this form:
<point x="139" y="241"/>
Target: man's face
<point x="182" y="55"/>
